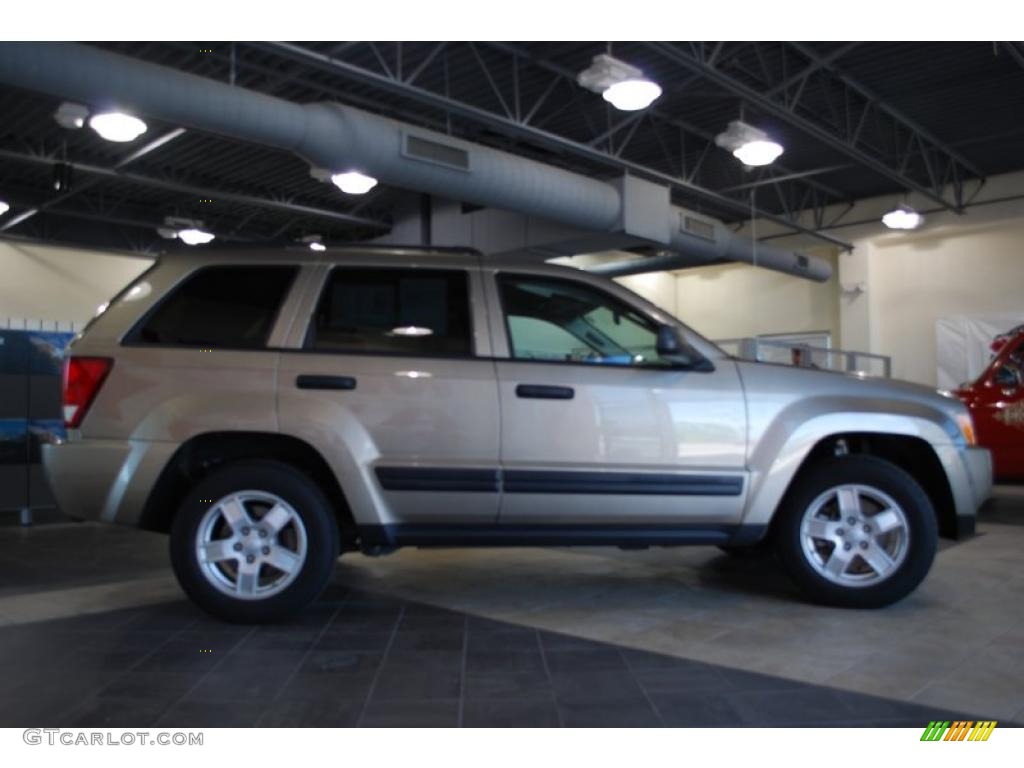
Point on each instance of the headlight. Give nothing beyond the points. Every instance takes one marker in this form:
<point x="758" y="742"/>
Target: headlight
<point x="966" y="425"/>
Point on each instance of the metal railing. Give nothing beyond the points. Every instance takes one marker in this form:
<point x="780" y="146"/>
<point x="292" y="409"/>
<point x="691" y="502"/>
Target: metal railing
<point x="807" y="356"/>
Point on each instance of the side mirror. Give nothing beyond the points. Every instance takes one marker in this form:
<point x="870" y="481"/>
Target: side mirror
<point x="671" y="346"/>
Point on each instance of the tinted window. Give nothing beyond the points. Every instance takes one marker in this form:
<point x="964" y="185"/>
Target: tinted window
<point x="562" y="320"/>
<point x="220" y="307"/>
<point x="394" y="311"/>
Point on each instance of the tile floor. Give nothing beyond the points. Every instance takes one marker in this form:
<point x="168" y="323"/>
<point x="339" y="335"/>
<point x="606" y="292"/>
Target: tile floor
<point x="93" y="632"/>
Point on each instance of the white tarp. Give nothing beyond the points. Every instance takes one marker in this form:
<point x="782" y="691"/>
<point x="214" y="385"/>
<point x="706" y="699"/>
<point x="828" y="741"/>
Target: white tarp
<point x="962" y="345"/>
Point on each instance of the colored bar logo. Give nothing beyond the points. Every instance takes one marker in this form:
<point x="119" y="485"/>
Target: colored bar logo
<point x="959" y="730"/>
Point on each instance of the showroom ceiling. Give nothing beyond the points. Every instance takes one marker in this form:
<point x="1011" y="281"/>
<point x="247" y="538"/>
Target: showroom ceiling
<point x="856" y="120"/>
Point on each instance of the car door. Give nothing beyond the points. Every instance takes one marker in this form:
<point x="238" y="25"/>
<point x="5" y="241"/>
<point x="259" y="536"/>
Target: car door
<point x="597" y="428"/>
<point x="393" y="382"/>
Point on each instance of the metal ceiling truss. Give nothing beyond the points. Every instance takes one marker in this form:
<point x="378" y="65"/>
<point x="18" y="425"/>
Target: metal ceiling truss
<point x="794" y="83"/>
<point x="179" y="187"/>
<point x="506" y="107"/>
<point x="1015" y="51"/>
<point x="520" y="97"/>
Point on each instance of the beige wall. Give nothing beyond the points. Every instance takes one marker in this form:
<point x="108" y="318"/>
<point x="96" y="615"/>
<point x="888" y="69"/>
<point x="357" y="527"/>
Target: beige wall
<point x="894" y="285"/>
<point x="49" y="285"/>
<point x="737" y="300"/>
<point x="911" y="281"/>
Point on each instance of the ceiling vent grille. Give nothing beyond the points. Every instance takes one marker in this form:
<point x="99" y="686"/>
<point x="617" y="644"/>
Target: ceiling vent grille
<point x="696" y="227"/>
<point x="434" y="152"/>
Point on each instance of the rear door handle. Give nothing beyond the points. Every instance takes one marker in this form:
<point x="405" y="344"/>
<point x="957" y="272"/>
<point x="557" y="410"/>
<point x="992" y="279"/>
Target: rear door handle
<point x="544" y="392"/>
<point x="315" y="381"/>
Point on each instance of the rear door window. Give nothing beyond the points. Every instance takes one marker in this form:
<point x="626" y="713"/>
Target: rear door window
<point x="231" y="307"/>
<point x="419" y="312"/>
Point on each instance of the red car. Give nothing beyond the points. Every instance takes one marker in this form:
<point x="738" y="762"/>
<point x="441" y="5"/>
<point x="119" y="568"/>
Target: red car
<point x="996" y="401"/>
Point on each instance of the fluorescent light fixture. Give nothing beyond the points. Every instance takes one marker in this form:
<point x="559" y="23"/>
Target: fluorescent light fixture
<point x="750" y="145"/>
<point x="903" y="217"/>
<point x="757" y="153"/>
<point x="354" y="182"/>
<point x="412" y="330"/>
<point x="631" y="95"/>
<point x="194" y="236"/>
<point x="317" y="247"/>
<point x="622" y="85"/>
<point x="117" y="126"/>
<point x="4" y="207"/>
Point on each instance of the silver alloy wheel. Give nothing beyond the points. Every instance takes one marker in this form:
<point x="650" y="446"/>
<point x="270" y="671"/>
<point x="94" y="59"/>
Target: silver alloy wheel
<point x="251" y="545"/>
<point x="855" y="535"/>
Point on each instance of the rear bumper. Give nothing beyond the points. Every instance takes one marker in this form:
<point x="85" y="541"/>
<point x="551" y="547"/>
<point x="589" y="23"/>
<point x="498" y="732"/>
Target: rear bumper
<point x="970" y="479"/>
<point x="104" y="480"/>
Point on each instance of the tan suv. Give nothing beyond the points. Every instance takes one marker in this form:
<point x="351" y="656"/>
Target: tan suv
<point x="271" y="410"/>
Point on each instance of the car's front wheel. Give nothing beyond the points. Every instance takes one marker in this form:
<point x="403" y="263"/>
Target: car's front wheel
<point x="254" y="541"/>
<point x="856" y="531"/>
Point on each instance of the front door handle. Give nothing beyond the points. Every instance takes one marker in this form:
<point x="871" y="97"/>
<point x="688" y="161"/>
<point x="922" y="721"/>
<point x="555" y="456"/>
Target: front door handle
<point x="544" y="392"/>
<point x="316" y="381"/>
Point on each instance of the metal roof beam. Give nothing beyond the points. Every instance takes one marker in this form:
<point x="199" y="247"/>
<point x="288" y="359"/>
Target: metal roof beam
<point x="650" y="112"/>
<point x="787" y="177"/>
<point x="521" y="130"/>
<point x="828" y="136"/>
<point x="873" y="98"/>
<point x="189" y="189"/>
<point x="148" y="148"/>
<point x="1015" y="53"/>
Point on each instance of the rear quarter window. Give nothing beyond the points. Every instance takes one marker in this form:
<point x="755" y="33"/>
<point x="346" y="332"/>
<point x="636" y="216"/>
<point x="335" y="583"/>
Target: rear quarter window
<point x="225" y="306"/>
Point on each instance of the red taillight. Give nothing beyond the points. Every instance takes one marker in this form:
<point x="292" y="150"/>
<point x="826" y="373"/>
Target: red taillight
<point x="82" y="379"/>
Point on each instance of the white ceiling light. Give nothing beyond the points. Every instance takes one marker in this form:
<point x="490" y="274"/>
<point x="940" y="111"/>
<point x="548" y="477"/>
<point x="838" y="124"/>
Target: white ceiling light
<point x="750" y="145"/>
<point x="903" y="217"/>
<point x="189" y="231"/>
<point x="315" y="242"/>
<point x="4" y="207"/>
<point x="354" y="182"/>
<point x="195" y="236"/>
<point x="117" y="126"/>
<point x="631" y="95"/>
<point x="622" y="85"/>
<point x="755" y="153"/>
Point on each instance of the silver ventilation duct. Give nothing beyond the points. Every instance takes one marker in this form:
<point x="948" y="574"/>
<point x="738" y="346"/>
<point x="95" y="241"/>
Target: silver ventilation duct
<point x="338" y="138"/>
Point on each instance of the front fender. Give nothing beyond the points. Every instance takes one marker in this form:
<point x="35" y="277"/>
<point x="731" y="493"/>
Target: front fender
<point x="779" y="450"/>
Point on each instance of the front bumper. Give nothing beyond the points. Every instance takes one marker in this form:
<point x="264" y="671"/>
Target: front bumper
<point x="104" y="480"/>
<point x="970" y="479"/>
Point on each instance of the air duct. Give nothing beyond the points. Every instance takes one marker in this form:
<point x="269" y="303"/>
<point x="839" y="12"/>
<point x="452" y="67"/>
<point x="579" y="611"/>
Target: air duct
<point x="338" y="138"/>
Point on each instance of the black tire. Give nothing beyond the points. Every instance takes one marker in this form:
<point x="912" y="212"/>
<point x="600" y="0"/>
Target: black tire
<point x="921" y="526"/>
<point x="310" y="506"/>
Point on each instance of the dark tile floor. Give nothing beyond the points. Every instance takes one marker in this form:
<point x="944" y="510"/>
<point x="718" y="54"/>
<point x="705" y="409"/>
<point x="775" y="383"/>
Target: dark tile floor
<point x="358" y="659"/>
<point x="355" y="658"/>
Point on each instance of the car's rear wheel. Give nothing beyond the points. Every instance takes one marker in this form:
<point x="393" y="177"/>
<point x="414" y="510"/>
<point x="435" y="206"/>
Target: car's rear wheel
<point x="254" y="541"/>
<point x="856" y="531"/>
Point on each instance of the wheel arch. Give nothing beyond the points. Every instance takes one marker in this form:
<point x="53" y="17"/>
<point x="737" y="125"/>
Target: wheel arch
<point x="205" y="452"/>
<point x="914" y="455"/>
